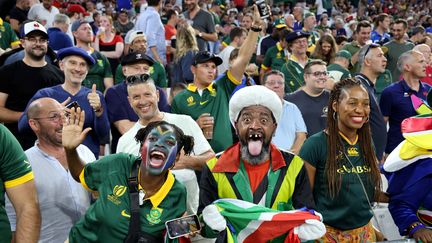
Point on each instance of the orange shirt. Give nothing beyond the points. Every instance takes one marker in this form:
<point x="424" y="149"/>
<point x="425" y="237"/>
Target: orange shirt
<point x="256" y="173"/>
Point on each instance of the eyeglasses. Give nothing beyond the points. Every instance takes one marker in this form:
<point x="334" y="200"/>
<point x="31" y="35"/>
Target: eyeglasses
<point x="52" y="118"/>
<point x="370" y="46"/>
<point x="319" y="74"/>
<point x="35" y="40"/>
<point x="140" y="78"/>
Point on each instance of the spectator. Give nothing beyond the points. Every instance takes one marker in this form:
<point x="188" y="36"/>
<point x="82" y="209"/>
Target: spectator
<point x="309" y="24"/>
<point x="338" y="70"/>
<point x="395" y="103"/>
<point x="33" y="73"/>
<point x="339" y="26"/>
<point x="289" y="21"/>
<point x="108" y="42"/>
<point x="205" y="101"/>
<point x="143" y="97"/>
<point x="293" y="69"/>
<point x="58" y="39"/>
<point x="43" y="12"/>
<point x="8" y="39"/>
<point x="62" y="201"/>
<point x="17" y="179"/>
<point x="175" y="90"/>
<point x="123" y="24"/>
<point x="99" y="74"/>
<point x="18" y="14"/>
<point x="171" y="32"/>
<point x="276" y="56"/>
<point x="323" y="26"/>
<point x="255" y="112"/>
<point x="121" y="115"/>
<point x="312" y="99"/>
<point x="202" y="22"/>
<point x="426" y="51"/>
<point x="150" y="23"/>
<point x="290" y="134"/>
<point x="363" y="31"/>
<point x="75" y="64"/>
<point x="76" y="13"/>
<point x="325" y="49"/>
<point x="396" y="47"/>
<point x="298" y="16"/>
<point x="269" y="41"/>
<point x="237" y="36"/>
<point x="138" y="43"/>
<point x="186" y="49"/>
<point x="418" y="35"/>
<point x="372" y="64"/>
<point x="342" y="167"/>
<point x="380" y="35"/>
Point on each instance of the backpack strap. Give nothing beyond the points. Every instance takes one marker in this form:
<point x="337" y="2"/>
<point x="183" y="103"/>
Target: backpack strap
<point x="134" y="224"/>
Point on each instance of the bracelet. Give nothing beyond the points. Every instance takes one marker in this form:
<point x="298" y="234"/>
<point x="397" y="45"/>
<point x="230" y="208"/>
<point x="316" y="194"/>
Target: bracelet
<point x="256" y="29"/>
<point x="414" y="227"/>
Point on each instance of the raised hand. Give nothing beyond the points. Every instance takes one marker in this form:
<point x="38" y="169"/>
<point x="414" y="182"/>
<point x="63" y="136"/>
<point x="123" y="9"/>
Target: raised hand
<point x="73" y="134"/>
<point x="94" y="99"/>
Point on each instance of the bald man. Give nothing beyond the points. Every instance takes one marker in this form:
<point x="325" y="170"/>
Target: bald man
<point x="62" y="200"/>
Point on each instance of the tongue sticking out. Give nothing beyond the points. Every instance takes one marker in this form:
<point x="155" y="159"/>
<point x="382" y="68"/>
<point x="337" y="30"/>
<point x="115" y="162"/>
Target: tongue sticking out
<point x="254" y="147"/>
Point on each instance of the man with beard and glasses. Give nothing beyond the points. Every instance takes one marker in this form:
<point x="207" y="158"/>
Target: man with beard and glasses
<point x="254" y="170"/>
<point x="20" y="80"/>
<point x="75" y="63"/>
<point x="62" y="200"/>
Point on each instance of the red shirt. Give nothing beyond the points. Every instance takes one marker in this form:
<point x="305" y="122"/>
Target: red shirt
<point x="428" y="78"/>
<point x="256" y="173"/>
<point x="170" y="31"/>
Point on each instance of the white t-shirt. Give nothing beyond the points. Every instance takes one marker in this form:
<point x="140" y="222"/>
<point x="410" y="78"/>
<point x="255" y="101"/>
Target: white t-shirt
<point x="128" y="144"/>
<point x="224" y="54"/>
<point x="39" y="13"/>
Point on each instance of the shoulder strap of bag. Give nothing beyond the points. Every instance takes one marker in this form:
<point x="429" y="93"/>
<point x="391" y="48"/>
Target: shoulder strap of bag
<point x="134" y="224"/>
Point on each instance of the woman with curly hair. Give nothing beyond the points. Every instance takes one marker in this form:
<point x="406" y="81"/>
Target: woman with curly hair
<point x="325" y="49"/>
<point x="342" y="166"/>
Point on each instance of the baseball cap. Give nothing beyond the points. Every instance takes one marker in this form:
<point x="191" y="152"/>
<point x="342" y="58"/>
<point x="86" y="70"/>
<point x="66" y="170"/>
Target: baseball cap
<point x="296" y="35"/>
<point x="279" y="23"/>
<point x="308" y="14"/>
<point x="344" y="54"/>
<point x="135" y="57"/>
<point x="130" y="37"/>
<point x="75" y="51"/>
<point x="34" y="26"/>
<point x="76" y="8"/>
<point x="76" y="24"/>
<point x="205" y="56"/>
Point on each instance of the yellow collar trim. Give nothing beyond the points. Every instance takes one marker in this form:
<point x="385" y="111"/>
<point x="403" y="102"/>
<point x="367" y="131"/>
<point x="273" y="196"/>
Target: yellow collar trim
<point x="347" y="140"/>
<point x="279" y="46"/>
<point x="193" y="88"/>
<point x="160" y="195"/>
<point x="1" y="21"/>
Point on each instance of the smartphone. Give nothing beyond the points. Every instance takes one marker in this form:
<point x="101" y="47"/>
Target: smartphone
<point x="182" y="226"/>
<point x="72" y="105"/>
<point x="263" y="9"/>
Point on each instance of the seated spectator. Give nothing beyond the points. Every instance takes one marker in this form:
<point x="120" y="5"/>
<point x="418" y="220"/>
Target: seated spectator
<point x="338" y="70"/>
<point x="58" y="39"/>
<point x="75" y="64"/>
<point x="62" y="201"/>
<point x="122" y="24"/>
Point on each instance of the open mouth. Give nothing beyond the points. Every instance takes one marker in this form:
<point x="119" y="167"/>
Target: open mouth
<point x="255" y="143"/>
<point x="157" y="158"/>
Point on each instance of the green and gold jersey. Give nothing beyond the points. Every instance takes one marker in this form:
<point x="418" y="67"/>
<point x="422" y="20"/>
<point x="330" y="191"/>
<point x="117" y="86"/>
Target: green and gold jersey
<point x="100" y="70"/>
<point x="294" y="75"/>
<point x="8" y="38"/>
<point x="15" y="170"/>
<point x="274" y="58"/>
<point x="214" y="100"/>
<point x="157" y="73"/>
<point x="107" y="220"/>
<point x="349" y="209"/>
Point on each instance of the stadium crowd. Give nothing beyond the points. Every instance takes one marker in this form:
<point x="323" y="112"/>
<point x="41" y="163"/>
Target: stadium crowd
<point x="118" y="116"/>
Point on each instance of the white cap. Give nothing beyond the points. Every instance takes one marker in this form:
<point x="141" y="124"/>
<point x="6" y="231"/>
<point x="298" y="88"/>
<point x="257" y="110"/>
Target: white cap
<point x="254" y="95"/>
<point x="130" y="36"/>
<point x="34" y="26"/>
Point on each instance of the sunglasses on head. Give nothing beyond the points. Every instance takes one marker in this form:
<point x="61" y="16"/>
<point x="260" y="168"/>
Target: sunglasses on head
<point x="370" y="46"/>
<point x="140" y="78"/>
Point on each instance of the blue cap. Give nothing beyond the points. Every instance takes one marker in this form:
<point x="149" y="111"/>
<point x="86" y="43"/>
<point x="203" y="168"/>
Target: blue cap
<point x="75" y="51"/>
<point x="296" y="35"/>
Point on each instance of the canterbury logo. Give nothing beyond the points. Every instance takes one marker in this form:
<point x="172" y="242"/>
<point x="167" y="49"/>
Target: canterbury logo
<point x="118" y="191"/>
<point x="352" y="152"/>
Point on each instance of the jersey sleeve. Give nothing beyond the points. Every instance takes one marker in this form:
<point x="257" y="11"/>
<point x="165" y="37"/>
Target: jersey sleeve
<point x="14" y="167"/>
<point x="267" y="61"/>
<point x="94" y="174"/>
<point x="311" y="151"/>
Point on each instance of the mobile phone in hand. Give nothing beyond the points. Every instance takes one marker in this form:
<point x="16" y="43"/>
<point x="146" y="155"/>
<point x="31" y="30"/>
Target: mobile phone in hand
<point x="263" y="9"/>
<point x="182" y="226"/>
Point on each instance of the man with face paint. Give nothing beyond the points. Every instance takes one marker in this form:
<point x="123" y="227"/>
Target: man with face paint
<point x="161" y="196"/>
<point x="254" y="169"/>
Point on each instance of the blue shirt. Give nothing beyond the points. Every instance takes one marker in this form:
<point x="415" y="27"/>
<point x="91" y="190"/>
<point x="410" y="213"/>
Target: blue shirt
<point x="396" y="104"/>
<point x="290" y="123"/>
<point x="100" y="125"/>
<point x="57" y="39"/>
<point x="150" y="23"/>
<point x="378" y="38"/>
<point x="120" y="109"/>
